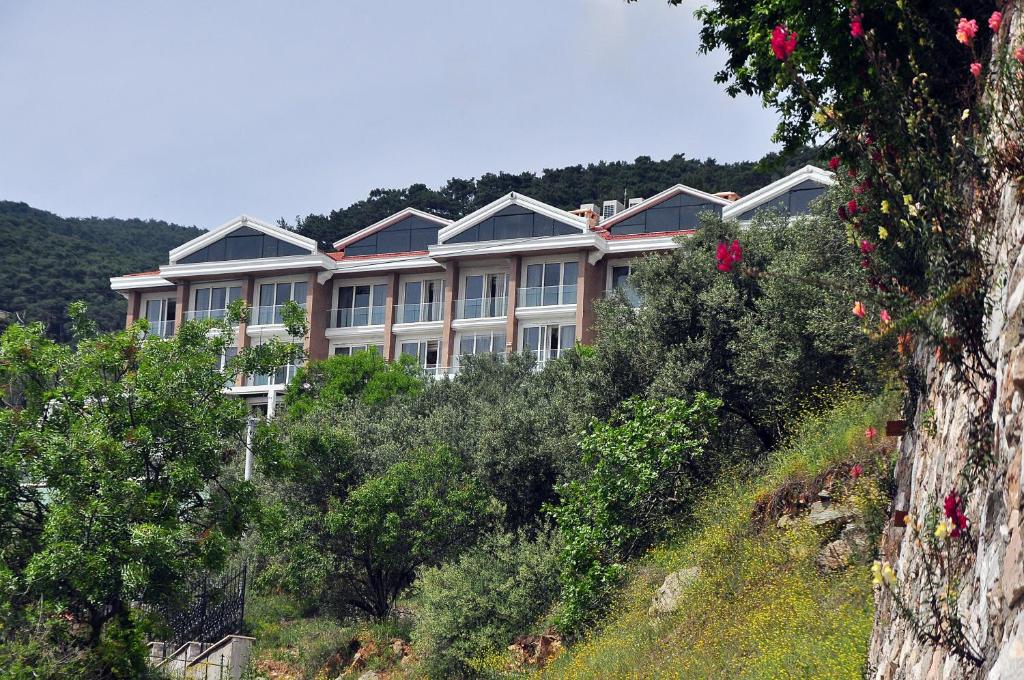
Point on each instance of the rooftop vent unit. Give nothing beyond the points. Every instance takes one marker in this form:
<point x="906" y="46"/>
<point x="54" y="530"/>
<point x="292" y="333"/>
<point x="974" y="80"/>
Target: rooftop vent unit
<point x="611" y="209"/>
<point x="634" y="201"/>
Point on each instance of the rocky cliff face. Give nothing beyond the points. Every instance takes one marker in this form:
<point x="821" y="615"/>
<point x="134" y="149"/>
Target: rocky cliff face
<point x="990" y="597"/>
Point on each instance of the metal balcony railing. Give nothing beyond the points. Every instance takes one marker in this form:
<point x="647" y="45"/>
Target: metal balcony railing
<point x="419" y="312"/>
<point x="354" y="317"/>
<point x="543" y="296"/>
<point x="481" y="308"/>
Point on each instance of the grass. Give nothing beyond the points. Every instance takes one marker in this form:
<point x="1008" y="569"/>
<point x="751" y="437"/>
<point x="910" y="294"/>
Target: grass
<point x="760" y="608"/>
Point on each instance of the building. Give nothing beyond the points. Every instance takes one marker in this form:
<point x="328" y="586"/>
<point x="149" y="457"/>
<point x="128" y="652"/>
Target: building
<point x="516" y="275"/>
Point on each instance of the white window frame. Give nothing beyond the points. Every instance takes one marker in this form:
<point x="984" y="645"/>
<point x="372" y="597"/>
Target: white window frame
<point x="541" y="354"/>
<point x="400" y="300"/>
<point x="352" y="283"/>
<point x="483" y="271"/>
<point x="421" y="353"/>
<point x="562" y="259"/>
<point x="610" y="267"/>
<point x="353" y="348"/>
<point x="196" y="287"/>
<point x="164" y="328"/>
<point x="275" y="281"/>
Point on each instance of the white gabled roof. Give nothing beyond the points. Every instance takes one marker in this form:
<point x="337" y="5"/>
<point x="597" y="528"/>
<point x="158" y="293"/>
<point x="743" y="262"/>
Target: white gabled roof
<point x="387" y="222"/>
<point x="660" y="198"/>
<point x="777" y="188"/>
<point x="241" y="221"/>
<point x="477" y="216"/>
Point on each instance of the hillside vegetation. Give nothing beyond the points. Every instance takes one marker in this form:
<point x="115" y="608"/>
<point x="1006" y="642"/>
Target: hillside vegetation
<point x="49" y="261"/>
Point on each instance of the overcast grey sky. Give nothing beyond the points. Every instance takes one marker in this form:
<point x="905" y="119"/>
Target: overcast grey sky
<point x="195" y="112"/>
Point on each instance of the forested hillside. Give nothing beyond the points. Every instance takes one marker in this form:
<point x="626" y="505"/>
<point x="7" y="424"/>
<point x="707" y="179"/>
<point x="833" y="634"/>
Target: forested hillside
<point x="48" y="261"/>
<point x="563" y="187"/>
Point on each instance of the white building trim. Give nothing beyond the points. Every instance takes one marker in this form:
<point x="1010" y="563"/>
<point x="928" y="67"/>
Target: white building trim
<point x="387" y="222"/>
<point x="661" y="198"/>
<point x="241" y="221"/>
<point x="777" y="188"/>
<point x="510" y="199"/>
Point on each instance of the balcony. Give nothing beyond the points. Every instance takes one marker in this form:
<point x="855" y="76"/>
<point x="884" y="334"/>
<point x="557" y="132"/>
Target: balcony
<point x="194" y="314"/>
<point x="425" y="312"/>
<point x="161" y="329"/>
<point x="282" y="376"/>
<point x="547" y="296"/>
<point x="630" y="295"/>
<point x="271" y="315"/>
<point x="356" y="317"/>
<point x="481" y="308"/>
<point x="543" y="356"/>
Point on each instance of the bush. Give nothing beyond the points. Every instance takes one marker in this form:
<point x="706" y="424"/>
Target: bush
<point x="497" y="590"/>
<point x="364" y="376"/>
<point x="647" y="464"/>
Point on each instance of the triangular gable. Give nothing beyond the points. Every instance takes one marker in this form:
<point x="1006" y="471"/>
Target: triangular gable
<point x="242" y="238"/>
<point x="792" y="194"/>
<point x="674" y="209"/>
<point x="511" y="217"/>
<point x="408" y="230"/>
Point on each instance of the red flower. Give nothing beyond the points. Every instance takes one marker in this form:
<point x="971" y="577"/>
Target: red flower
<point x="851" y="207"/>
<point x="976" y="70"/>
<point x="783" y="42"/>
<point x="856" y="27"/>
<point x="870" y="433"/>
<point x="859" y="310"/>
<point x="842" y="213"/>
<point x="1018" y="54"/>
<point x="856" y="471"/>
<point x="833" y="163"/>
<point x="966" y="30"/>
<point x="995" y="21"/>
<point x="728" y="255"/>
<point x="884" y="316"/>
<point x="866" y="247"/>
<point x="953" y="508"/>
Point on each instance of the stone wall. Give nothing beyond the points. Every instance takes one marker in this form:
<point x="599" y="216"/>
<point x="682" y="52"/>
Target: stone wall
<point x="932" y="453"/>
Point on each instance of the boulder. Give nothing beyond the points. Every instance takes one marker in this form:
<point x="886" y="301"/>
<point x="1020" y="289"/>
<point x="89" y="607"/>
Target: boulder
<point x="668" y="597"/>
<point x="370" y="675"/>
<point x="835" y="556"/>
<point x="829" y="513"/>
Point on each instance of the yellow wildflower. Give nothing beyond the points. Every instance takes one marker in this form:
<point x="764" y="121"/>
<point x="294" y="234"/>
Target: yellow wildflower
<point x="883" y="233"/>
<point x="941" y="530"/>
<point x="885" y="207"/>
<point x="907" y="199"/>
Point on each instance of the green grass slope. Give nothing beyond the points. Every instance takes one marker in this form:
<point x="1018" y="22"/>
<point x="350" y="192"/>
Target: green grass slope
<point x="760" y="608"/>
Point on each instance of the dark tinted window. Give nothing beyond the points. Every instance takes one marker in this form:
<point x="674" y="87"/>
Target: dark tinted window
<point x="243" y="243"/>
<point x="412" y="233"/>
<point x="682" y="211"/>
<point x="514" y="222"/>
<point x="796" y="201"/>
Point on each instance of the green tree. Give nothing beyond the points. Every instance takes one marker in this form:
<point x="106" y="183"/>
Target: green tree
<point x="646" y="465"/>
<point x="364" y="375"/>
<point x="762" y="343"/>
<point x="113" y="482"/>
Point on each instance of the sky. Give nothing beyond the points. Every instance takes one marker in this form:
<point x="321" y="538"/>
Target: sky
<point x="196" y="111"/>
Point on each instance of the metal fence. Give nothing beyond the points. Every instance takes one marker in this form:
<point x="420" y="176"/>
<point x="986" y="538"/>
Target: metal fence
<point x="211" y="608"/>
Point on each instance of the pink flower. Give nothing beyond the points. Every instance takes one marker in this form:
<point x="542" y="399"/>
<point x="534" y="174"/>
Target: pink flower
<point x="833" y="162"/>
<point x="728" y="255"/>
<point x="995" y="21"/>
<point x="976" y="70"/>
<point x="856" y="471"/>
<point x="851" y="207"/>
<point x="866" y="247"/>
<point x="783" y="42"/>
<point x="884" y="316"/>
<point x="870" y="433"/>
<point x="1019" y="54"/>
<point x="856" y="27"/>
<point x="966" y="30"/>
<point x="858" y="309"/>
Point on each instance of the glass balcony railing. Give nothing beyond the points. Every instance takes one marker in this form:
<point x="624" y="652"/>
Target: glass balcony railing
<point x="354" y="317"/>
<point x="419" y="312"/>
<point x="266" y="315"/>
<point x="458" y="359"/>
<point x="161" y="329"/>
<point x="481" y="308"/>
<point x="543" y="296"/>
<point x="281" y="376"/>
<point x="193" y="314"/>
<point x="543" y="356"/>
<point x="631" y="296"/>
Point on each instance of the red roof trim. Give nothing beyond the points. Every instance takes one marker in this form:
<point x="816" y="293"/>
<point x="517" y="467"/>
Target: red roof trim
<point x="654" y="234"/>
<point x="337" y="257"/>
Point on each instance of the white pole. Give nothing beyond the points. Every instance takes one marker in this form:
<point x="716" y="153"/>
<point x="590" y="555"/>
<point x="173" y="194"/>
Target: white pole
<point x="249" y="431"/>
<point x="271" y="403"/>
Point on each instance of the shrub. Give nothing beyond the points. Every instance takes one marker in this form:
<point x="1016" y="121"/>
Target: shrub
<point x="479" y="603"/>
<point x="364" y="376"/>
<point x="647" y="463"/>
